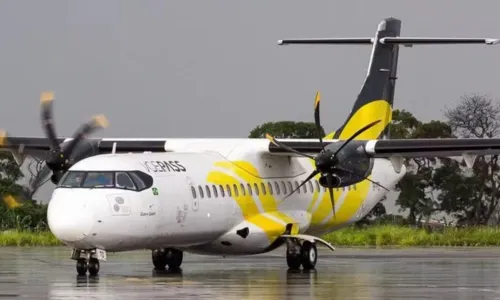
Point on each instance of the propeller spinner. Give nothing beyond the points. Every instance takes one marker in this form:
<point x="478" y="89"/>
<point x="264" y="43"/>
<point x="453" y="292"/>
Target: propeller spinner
<point x="58" y="159"/>
<point x="327" y="161"/>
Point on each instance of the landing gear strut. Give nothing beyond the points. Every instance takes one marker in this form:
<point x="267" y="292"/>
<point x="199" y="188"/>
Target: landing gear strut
<point x="86" y="263"/>
<point x="305" y="254"/>
<point x="168" y="256"/>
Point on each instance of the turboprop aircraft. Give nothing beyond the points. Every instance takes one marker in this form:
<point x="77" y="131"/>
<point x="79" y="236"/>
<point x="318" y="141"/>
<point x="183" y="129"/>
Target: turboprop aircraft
<point x="233" y="196"/>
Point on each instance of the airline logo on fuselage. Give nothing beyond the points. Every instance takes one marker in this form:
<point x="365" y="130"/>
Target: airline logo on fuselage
<point x="163" y="166"/>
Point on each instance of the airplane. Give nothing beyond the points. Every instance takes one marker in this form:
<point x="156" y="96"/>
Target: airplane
<point x="233" y="196"/>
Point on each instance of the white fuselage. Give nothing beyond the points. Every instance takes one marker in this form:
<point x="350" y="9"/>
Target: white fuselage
<point x="212" y="202"/>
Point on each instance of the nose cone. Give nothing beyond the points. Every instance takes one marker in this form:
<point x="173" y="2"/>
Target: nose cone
<point x="69" y="216"/>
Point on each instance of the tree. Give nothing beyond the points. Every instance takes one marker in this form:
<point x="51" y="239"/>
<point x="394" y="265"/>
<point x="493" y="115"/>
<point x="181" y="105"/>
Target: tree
<point x="34" y="166"/>
<point x="472" y="195"/>
<point x="416" y="188"/>
<point x="287" y="129"/>
<point x="10" y="174"/>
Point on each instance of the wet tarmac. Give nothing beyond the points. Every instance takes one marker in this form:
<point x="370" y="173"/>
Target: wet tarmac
<point x="48" y="273"/>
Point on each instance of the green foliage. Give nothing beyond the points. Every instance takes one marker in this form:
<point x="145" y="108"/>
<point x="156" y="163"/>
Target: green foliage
<point x="404" y="236"/>
<point x="10" y="173"/>
<point x="28" y="238"/>
<point x="29" y="217"/>
<point x="287" y="129"/>
<point x="416" y="190"/>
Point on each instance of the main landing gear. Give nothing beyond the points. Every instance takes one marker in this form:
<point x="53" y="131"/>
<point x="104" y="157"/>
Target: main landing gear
<point x="168" y="256"/>
<point x="86" y="262"/>
<point x="305" y="254"/>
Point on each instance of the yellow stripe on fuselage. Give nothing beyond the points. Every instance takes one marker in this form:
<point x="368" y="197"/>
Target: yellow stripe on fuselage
<point x="249" y="208"/>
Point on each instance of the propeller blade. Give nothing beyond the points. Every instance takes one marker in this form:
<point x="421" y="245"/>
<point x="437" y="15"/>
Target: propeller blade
<point x="96" y="123"/>
<point x="274" y="141"/>
<point x="46" y="99"/>
<point x="329" y="182"/>
<point x="364" y="177"/>
<point x="355" y="135"/>
<point x="317" y="121"/>
<point x="314" y="173"/>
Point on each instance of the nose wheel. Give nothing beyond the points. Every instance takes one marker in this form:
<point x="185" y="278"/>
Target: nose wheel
<point x="87" y="263"/>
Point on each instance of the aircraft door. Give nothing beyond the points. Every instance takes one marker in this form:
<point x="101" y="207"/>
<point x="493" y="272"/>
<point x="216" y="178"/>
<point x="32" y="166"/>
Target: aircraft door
<point x="194" y="195"/>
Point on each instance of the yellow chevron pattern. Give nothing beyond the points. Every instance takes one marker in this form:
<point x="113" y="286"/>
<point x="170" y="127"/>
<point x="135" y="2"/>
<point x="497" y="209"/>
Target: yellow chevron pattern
<point x="262" y="210"/>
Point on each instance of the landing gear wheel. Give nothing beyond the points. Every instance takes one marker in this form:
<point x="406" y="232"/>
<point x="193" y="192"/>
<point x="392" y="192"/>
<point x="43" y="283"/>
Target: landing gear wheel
<point x="81" y="266"/>
<point x="174" y="259"/>
<point x="159" y="258"/>
<point x="292" y="259"/>
<point x="308" y="255"/>
<point x="94" y="266"/>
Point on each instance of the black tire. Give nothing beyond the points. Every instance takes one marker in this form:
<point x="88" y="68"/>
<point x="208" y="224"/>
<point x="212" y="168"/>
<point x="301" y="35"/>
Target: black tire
<point x="81" y="266"/>
<point x="174" y="259"/>
<point x="309" y="255"/>
<point x="293" y="262"/>
<point x="159" y="259"/>
<point x="94" y="266"/>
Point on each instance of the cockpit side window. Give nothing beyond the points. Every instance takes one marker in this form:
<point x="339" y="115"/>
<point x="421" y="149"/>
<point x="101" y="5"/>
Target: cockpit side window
<point x="123" y="181"/>
<point x="141" y="180"/>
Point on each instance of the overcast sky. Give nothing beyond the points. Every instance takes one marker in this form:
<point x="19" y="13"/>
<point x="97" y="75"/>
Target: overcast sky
<point x="214" y="69"/>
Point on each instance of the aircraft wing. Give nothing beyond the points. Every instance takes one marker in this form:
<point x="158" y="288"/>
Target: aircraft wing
<point x="399" y="148"/>
<point x="39" y="147"/>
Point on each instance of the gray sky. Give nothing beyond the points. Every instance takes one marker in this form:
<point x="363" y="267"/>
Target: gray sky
<point x="214" y="69"/>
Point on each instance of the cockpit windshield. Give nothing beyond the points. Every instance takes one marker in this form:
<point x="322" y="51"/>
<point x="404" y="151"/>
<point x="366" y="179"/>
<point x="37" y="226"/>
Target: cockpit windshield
<point x="129" y="180"/>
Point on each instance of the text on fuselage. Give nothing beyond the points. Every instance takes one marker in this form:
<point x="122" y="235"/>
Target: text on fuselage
<point x="163" y="166"/>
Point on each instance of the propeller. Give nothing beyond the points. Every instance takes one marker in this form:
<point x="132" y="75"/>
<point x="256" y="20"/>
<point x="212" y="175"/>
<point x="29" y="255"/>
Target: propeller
<point x="327" y="162"/>
<point x="59" y="158"/>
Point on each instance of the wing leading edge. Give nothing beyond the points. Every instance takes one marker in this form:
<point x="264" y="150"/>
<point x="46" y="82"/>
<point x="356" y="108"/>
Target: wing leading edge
<point x="401" y="148"/>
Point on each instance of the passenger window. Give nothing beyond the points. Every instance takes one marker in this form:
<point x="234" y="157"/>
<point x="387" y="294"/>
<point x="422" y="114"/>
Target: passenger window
<point x="208" y="191"/>
<point x="200" y="189"/>
<point x="228" y="188"/>
<point x="290" y="186"/>
<point x="249" y="189"/>
<point x="284" y="187"/>
<point x="243" y="189"/>
<point x="214" y="188"/>
<point x="235" y="190"/>
<point x="221" y="191"/>
<point x="354" y="187"/>
<point x="193" y="190"/>
<point x="123" y="181"/>
<point x="311" y="189"/>
<point x="304" y="187"/>
<point x="98" y="179"/>
<point x="277" y="187"/>
<point x="270" y="188"/>
<point x="296" y="186"/>
<point x="263" y="186"/>
<point x="256" y="188"/>
<point x="317" y="185"/>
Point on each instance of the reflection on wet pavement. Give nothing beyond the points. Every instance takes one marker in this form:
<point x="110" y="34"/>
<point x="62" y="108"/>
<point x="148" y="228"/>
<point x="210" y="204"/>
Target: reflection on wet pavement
<point x="48" y="273"/>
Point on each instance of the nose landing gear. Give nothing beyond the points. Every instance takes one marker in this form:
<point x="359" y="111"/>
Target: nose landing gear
<point x="88" y="262"/>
